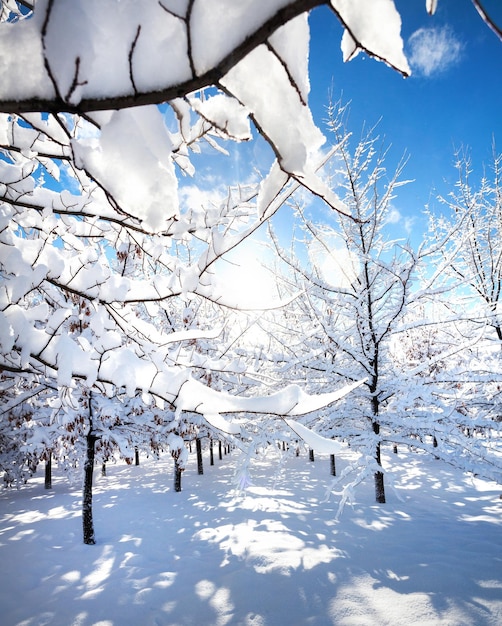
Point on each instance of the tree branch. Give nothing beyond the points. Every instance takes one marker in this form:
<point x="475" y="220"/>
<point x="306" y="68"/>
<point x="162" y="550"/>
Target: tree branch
<point x="131" y="54"/>
<point x="487" y="19"/>
<point x="195" y="83"/>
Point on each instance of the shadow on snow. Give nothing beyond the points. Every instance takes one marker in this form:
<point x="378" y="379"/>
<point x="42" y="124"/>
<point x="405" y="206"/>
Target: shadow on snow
<point x="271" y="555"/>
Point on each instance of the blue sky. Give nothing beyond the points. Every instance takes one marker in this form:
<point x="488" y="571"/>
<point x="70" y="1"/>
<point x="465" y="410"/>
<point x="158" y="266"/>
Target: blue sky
<point x="430" y="114"/>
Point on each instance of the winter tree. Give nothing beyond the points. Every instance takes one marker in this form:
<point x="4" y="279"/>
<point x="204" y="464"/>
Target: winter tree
<point x="86" y="188"/>
<point x="453" y="411"/>
<point x="470" y="238"/>
<point x="368" y="313"/>
<point x="81" y="319"/>
<point x="466" y="234"/>
<point x="358" y="285"/>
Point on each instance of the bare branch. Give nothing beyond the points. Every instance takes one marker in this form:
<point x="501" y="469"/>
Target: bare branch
<point x="75" y="82"/>
<point x="487" y="19"/>
<point x="131" y="54"/>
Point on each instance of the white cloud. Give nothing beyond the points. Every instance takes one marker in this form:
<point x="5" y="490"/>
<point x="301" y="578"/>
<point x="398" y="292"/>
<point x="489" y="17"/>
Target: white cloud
<point x="393" y="217"/>
<point x="433" y="50"/>
<point x="195" y="197"/>
<point x="409" y="224"/>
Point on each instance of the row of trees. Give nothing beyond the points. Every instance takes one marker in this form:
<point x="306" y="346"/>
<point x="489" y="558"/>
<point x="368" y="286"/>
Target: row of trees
<point x="114" y="332"/>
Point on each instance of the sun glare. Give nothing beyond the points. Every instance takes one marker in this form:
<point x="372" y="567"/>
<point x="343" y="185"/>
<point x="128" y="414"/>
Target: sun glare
<point x="248" y="283"/>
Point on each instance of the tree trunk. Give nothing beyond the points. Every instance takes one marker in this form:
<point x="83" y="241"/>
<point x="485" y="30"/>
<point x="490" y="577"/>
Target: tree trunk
<point x="379" y="481"/>
<point x="87" y="521"/>
<point x="332" y="464"/>
<point x="435" y="445"/>
<point x="311" y="455"/>
<point x="211" y="452"/>
<point x="379" y="488"/>
<point x="103" y="469"/>
<point x="136" y="455"/>
<point x="48" y="472"/>
<point x="177" y="476"/>
<point x="198" y="446"/>
<point x="220" y="454"/>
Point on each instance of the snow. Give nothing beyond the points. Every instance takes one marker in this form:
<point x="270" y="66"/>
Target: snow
<point x="271" y="555"/>
<point x="80" y="30"/>
<point x="132" y="159"/>
<point x="87" y="49"/>
<point x="192" y="558"/>
<point x="431" y="6"/>
<point x="295" y="32"/>
<point x="194" y="396"/>
<point x="313" y="440"/>
<point x="226" y="114"/>
<point x="68" y="353"/>
<point x="23" y="73"/>
<point x="211" y="18"/>
<point x="94" y="49"/>
<point x="270" y="194"/>
<point x="262" y="83"/>
<point x="221" y="424"/>
<point x="376" y="25"/>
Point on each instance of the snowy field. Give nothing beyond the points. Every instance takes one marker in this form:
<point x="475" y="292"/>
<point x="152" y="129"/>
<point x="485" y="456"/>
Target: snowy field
<point x="274" y="555"/>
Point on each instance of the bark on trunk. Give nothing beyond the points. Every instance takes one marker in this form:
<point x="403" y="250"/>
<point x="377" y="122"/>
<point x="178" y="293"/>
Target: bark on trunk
<point x="332" y="464"/>
<point x="198" y="446"/>
<point x="87" y="521"/>
<point x="379" y="481"/>
<point x="220" y="453"/>
<point x="435" y="445"/>
<point x="136" y="455"/>
<point x="311" y="455"/>
<point x="379" y="488"/>
<point x="48" y="472"/>
<point x="177" y="476"/>
<point x="211" y="453"/>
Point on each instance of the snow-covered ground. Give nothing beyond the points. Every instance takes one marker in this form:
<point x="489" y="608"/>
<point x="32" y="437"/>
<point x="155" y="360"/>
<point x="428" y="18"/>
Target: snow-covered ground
<point x="274" y="555"/>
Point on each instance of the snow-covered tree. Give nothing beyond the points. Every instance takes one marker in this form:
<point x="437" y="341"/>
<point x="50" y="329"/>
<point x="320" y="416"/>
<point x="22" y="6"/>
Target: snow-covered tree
<point x="467" y="238"/>
<point x="358" y="285"/>
<point x="453" y="412"/>
<point x="368" y="313"/>
<point x="87" y="288"/>
<point x="470" y="238"/>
